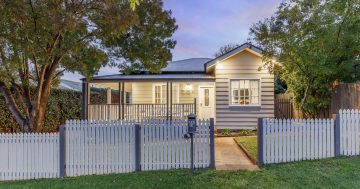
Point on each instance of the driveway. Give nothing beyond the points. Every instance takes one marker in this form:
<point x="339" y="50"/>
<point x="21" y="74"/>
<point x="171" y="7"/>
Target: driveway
<point x="229" y="156"/>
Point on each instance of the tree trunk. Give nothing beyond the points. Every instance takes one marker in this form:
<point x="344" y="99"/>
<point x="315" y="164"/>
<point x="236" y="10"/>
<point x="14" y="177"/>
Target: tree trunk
<point x="304" y="99"/>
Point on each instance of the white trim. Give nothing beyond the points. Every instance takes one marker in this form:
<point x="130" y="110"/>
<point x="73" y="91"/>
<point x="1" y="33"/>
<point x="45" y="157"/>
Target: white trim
<point x="161" y="90"/>
<point x="244" y="105"/>
<point x="214" y="98"/>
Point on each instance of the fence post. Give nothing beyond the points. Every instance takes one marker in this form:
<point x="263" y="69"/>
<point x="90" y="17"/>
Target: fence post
<point x="212" y="144"/>
<point x="337" y="135"/>
<point x="260" y="142"/>
<point x="137" y="147"/>
<point x="62" y="151"/>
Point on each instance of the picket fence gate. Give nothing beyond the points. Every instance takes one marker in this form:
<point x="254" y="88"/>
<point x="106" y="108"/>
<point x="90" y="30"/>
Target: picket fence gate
<point x="164" y="146"/>
<point x="285" y="140"/>
<point x="29" y="156"/>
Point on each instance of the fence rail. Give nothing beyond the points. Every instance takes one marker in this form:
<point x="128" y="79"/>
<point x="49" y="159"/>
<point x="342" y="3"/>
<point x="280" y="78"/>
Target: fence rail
<point x="349" y="132"/>
<point x="29" y="156"/>
<point x="103" y="147"/>
<point x="164" y="146"/>
<point x="294" y="140"/>
<point x="285" y="140"/>
<point x="103" y="112"/>
<point x="139" y="112"/>
<point x="99" y="147"/>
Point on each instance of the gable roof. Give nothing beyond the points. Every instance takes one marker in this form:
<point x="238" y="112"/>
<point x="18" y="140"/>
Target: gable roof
<point x="192" y="68"/>
<point x="246" y="46"/>
<point x="186" y="65"/>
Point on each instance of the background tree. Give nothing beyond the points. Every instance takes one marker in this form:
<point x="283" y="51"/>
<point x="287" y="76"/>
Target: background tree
<point x="225" y="49"/>
<point x="149" y="42"/>
<point x="39" y="40"/>
<point x="318" y="43"/>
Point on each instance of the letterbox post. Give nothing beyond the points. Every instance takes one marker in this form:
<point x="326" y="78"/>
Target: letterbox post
<point x="191" y="131"/>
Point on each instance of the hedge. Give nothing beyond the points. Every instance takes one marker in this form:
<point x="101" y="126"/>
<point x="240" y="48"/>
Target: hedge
<point x="62" y="105"/>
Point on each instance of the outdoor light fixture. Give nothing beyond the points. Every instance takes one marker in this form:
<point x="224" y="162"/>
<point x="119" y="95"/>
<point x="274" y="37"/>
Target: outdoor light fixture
<point x="188" y="88"/>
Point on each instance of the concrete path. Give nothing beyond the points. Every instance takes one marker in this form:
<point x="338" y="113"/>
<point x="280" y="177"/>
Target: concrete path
<point x="229" y="156"/>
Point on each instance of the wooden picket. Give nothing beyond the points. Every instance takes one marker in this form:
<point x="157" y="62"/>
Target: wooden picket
<point x="287" y="140"/>
<point x="349" y="132"/>
<point x="29" y="156"/>
<point x="164" y="146"/>
<point x="99" y="147"/>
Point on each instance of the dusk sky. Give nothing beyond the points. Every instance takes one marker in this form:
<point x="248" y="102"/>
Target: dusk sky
<point x="206" y="25"/>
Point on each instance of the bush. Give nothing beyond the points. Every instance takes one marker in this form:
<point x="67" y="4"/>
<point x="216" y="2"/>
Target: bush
<point x="62" y="105"/>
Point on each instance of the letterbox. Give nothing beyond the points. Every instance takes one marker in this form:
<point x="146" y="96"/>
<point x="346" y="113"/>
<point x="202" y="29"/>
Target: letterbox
<point x="191" y="123"/>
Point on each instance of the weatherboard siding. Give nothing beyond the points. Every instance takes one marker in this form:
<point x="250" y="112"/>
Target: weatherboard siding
<point x="142" y="93"/>
<point x="242" y="66"/>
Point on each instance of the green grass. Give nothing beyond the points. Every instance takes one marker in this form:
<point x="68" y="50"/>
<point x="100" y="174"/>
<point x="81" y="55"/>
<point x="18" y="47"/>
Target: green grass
<point x="250" y="143"/>
<point x="332" y="173"/>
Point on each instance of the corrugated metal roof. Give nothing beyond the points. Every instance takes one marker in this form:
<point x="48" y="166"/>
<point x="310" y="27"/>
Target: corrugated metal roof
<point x="70" y="85"/>
<point x="153" y="76"/>
<point x="187" y="65"/>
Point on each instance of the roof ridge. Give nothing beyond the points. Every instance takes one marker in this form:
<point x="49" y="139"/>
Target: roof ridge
<point x="188" y="59"/>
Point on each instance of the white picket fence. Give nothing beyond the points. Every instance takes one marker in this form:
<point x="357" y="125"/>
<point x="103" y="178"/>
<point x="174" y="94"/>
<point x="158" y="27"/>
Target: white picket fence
<point x="29" y="156"/>
<point x="99" y="147"/>
<point x="294" y="140"/>
<point x="349" y="132"/>
<point x="164" y="146"/>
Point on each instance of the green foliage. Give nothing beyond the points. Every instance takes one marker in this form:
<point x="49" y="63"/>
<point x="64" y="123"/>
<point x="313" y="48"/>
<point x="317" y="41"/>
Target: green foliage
<point x="225" y="132"/>
<point x="317" y="42"/>
<point x="39" y="40"/>
<point x="225" y="49"/>
<point x="63" y="105"/>
<point x="149" y="42"/>
<point x="245" y="132"/>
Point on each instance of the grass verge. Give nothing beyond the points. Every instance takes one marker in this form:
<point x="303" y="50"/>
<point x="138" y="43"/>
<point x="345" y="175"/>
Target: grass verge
<point x="331" y="173"/>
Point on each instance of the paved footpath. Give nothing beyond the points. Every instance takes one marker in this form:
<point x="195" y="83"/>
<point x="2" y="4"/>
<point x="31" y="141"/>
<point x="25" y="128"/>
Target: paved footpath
<point x="229" y="156"/>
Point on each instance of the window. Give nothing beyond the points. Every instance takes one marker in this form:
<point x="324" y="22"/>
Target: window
<point x="206" y="103"/>
<point x="244" y="92"/>
<point x="128" y="98"/>
<point x="159" y="93"/>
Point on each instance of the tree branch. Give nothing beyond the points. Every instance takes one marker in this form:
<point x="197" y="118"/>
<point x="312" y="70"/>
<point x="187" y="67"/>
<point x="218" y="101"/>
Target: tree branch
<point x="13" y="107"/>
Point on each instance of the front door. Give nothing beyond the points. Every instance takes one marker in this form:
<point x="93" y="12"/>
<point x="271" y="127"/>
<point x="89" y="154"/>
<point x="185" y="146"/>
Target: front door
<point x="206" y="102"/>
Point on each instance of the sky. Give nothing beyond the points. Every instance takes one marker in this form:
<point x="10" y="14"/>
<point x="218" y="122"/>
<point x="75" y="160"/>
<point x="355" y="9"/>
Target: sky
<point x="206" y="25"/>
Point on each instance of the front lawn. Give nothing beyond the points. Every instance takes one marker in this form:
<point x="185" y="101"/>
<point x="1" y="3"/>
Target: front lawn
<point x="332" y="173"/>
<point x="250" y="143"/>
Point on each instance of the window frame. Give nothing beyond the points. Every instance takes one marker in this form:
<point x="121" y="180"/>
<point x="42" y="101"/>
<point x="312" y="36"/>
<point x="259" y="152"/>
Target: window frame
<point x="175" y="100"/>
<point x="230" y="95"/>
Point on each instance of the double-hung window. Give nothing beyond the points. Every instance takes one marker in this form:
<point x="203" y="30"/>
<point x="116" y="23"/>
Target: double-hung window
<point x="244" y="92"/>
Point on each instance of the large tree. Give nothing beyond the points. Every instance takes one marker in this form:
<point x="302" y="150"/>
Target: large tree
<point x="318" y="44"/>
<point x="40" y="39"/>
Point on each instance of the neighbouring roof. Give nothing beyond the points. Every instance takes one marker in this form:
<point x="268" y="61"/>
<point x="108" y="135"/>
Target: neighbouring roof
<point x="200" y="76"/>
<point x="187" y="65"/>
<point x="70" y="85"/>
